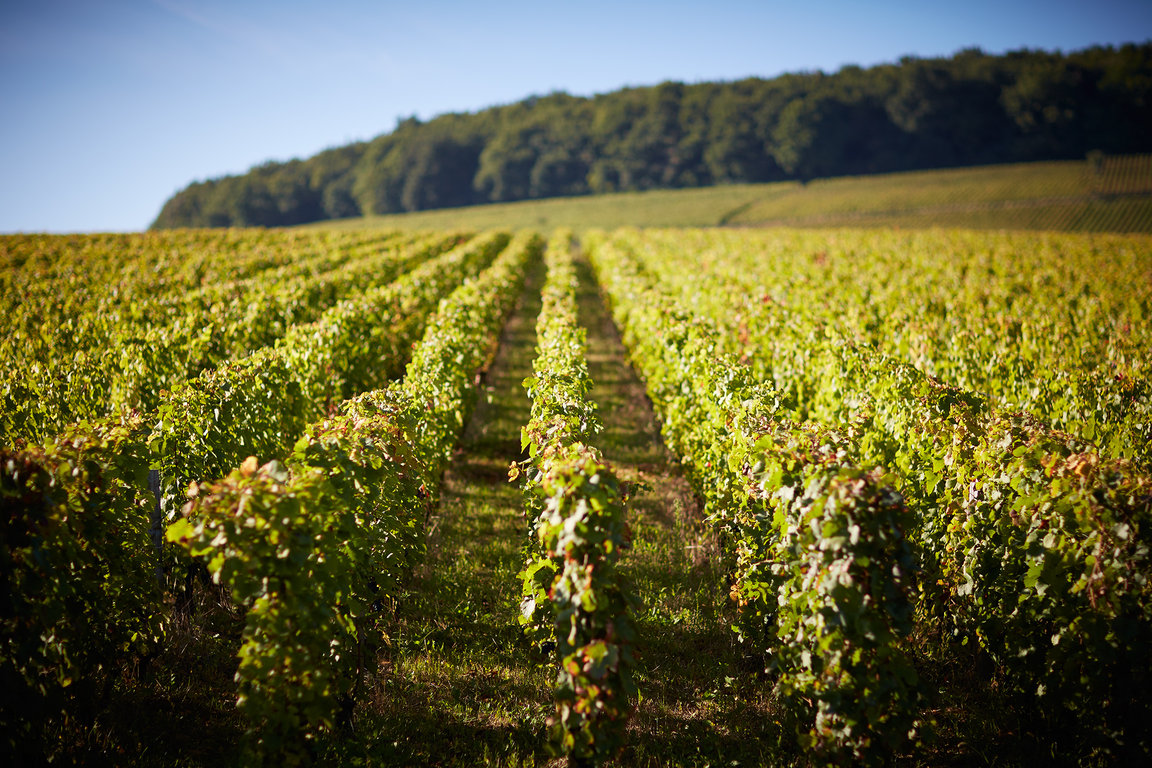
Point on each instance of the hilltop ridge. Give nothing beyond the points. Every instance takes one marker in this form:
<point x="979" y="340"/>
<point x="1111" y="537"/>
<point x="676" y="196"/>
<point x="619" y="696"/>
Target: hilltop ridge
<point x="969" y="109"/>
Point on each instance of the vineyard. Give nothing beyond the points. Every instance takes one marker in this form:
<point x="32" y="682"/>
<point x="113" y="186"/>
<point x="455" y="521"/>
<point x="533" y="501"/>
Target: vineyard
<point x="637" y="497"/>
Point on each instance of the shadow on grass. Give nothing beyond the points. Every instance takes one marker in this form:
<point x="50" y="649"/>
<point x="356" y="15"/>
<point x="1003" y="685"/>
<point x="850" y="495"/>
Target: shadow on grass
<point x="427" y="735"/>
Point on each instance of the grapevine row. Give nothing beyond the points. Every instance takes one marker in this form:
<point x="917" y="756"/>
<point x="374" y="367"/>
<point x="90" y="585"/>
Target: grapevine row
<point x="824" y="572"/>
<point x="87" y="491"/>
<point x="79" y="599"/>
<point x="984" y="319"/>
<point x="260" y="404"/>
<point x="128" y="277"/>
<point x="574" y="597"/>
<point x="313" y="547"/>
<point x="125" y="365"/>
<point x="1031" y="541"/>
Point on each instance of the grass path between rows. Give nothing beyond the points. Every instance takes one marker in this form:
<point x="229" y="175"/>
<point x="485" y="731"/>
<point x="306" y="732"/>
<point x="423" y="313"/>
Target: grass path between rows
<point x="702" y="703"/>
<point x="458" y="686"/>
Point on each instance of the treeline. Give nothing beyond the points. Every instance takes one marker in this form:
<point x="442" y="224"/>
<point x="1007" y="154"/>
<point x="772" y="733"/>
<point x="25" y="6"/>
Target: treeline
<point x="970" y="109"/>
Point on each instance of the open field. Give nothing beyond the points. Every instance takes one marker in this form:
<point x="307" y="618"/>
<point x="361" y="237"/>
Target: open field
<point x="659" y="497"/>
<point x="1071" y="196"/>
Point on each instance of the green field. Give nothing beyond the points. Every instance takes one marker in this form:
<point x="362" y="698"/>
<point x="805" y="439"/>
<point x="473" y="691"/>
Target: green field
<point x="1071" y="196"/>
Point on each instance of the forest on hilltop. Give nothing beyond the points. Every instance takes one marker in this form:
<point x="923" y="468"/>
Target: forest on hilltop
<point x="972" y="108"/>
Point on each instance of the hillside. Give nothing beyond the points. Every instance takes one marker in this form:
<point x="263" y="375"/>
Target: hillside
<point x="1113" y="195"/>
<point x="971" y="109"/>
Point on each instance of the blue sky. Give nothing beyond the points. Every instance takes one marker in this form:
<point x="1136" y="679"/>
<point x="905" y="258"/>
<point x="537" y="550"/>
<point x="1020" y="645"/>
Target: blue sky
<point x="110" y="106"/>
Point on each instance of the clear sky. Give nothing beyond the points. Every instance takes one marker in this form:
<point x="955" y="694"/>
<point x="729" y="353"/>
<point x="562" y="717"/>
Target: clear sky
<point x="110" y="106"/>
